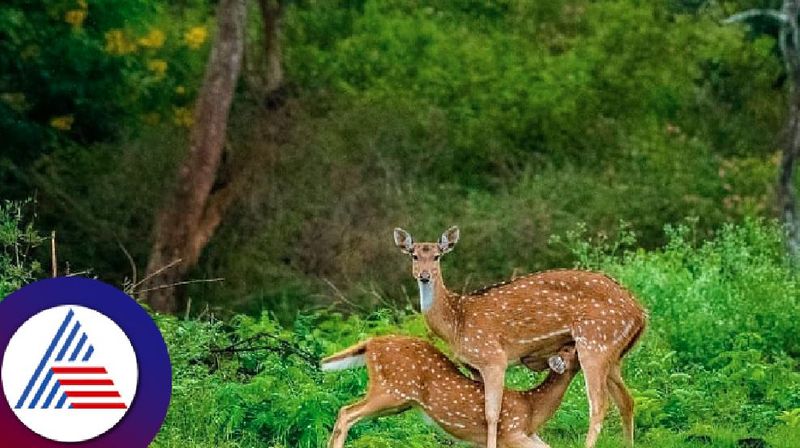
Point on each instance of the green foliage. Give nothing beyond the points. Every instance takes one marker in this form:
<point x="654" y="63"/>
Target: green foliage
<point x="18" y="238"/>
<point x="718" y="362"/>
<point x="524" y="79"/>
<point x="83" y="70"/>
<point x="513" y="119"/>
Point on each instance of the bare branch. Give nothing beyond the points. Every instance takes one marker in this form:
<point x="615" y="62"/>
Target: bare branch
<point x="130" y="261"/>
<point x="750" y="13"/>
<point x="170" y="265"/>
<point x="282" y="346"/>
<point x="187" y="282"/>
<point x="53" y="259"/>
<point x="340" y="295"/>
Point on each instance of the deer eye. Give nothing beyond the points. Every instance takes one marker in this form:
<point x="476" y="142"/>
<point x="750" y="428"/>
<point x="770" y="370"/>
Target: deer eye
<point x="436" y="257"/>
<point x="414" y="257"/>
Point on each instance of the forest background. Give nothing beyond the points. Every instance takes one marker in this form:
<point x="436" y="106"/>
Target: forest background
<point x="645" y="139"/>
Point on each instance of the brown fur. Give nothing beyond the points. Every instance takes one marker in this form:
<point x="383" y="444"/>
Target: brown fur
<point x="529" y="318"/>
<point x="407" y="372"/>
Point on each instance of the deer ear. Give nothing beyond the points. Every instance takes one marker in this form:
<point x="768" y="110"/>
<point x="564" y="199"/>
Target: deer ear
<point x="557" y="364"/>
<point x="403" y="240"/>
<point x="448" y="239"/>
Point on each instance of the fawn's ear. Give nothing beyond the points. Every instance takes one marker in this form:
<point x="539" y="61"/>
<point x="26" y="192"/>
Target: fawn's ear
<point x="557" y="364"/>
<point x="448" y="239"/>
<point x="403" y="240"/>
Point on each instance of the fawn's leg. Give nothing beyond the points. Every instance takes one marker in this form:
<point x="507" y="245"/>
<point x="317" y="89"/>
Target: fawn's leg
<point x="595" y="373"/>
<point x="372" y="404"/>
<point x="520" y="440"/>
<point x="622" y="398"/>
<point x="493" y="381"/>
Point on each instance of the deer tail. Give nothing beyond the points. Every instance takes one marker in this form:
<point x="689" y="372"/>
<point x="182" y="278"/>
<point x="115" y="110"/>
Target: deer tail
<point x="348" y="358"/>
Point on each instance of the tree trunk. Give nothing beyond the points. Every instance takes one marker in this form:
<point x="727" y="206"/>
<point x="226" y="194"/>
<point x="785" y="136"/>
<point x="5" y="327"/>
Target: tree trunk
<point x="789" y="42"/>
<point x="271" y="15"/>
<point x="787" y="200"/>
<point x="191" y="213"/>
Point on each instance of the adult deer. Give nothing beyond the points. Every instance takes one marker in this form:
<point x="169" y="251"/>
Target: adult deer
<point x="531" y="317"/>
<point x="405" y="372"/>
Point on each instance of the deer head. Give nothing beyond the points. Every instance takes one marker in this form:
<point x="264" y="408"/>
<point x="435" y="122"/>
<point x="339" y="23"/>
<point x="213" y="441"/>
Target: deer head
<point x="565" y="361"/>
<point x="425" y="261"/>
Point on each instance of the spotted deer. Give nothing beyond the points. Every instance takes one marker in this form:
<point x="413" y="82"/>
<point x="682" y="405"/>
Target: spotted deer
<point x="531" y="317"/>
<point x="407" y="372"/>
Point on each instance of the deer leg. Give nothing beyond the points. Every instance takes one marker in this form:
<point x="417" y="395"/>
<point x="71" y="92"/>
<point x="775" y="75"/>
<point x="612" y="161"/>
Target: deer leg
<point x="493" y="381"/>
<point x="595" y="373"/>
<point x="539" y="442"/>
<point x="622" y="398"/>
<point x="520" y="440"/>
<point x="372" y="404"/>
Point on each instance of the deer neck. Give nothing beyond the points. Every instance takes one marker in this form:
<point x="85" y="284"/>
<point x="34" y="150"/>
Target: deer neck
<point x="427" y="295"/>
<point x="547" y="396"/>
<point x="436" y="304"/>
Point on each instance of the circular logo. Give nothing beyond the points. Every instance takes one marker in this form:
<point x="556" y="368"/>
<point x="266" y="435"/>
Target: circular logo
<point x="83" y="365"/>
<point x="87" y="369"/>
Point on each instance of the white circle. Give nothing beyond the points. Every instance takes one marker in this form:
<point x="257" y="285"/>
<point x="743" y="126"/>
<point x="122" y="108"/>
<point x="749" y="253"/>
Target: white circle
<point x="27" y="351"/>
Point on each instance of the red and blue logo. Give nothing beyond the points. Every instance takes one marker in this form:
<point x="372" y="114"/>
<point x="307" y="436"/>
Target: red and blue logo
<point x="83" y="365"/>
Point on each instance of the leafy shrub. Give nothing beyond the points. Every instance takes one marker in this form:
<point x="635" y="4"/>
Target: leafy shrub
<point x="82" y="71"/>
<point x="18" y="238"/>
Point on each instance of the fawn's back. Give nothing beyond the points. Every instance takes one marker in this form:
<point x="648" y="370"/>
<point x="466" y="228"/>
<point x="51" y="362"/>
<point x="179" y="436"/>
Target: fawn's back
<point x="414" y="370"/>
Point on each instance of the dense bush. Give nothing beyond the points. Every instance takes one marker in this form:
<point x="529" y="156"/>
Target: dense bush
<point x="720" y="358"/>
<point x="567" y="80"/>
<point x="420" y="114"/>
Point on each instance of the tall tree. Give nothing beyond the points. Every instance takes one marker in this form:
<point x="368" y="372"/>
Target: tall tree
<point x="271" y="16"/>
<point x="192" y="211"/>
<point x="264" y="62"/>
<point x="789" y="43"/>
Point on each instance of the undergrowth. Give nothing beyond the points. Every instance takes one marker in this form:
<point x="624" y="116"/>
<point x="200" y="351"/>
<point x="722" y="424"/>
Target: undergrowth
<point x="718" y="365"/>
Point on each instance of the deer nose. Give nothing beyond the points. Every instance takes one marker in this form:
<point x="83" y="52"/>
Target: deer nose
<point x="424" y="276"/>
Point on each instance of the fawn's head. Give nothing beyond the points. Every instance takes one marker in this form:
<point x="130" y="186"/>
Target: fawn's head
<point x="566" y="360"/>
<point x="425" y="256"/>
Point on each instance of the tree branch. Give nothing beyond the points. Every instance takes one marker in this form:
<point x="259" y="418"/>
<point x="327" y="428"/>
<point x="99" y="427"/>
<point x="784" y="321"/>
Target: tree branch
<point x="281" y="346"/>
<point x="750" y="13"/>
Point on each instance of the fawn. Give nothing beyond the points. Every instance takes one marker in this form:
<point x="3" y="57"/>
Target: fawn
<point x="407" y="372"/>
<point x="532" y="317"/>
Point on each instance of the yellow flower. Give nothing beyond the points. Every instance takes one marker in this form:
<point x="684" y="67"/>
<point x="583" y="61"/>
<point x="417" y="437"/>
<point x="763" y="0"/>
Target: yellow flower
<point x="154" y="39"/>
<point x="196" y="36"/>
<point x="75" y="17"/>
<point x="157" y="66"/>
<point x="180" y="90"/>
<point x="117" y="43"/>
<point x="183" y="117"/>
<point x="62" y="122"/>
